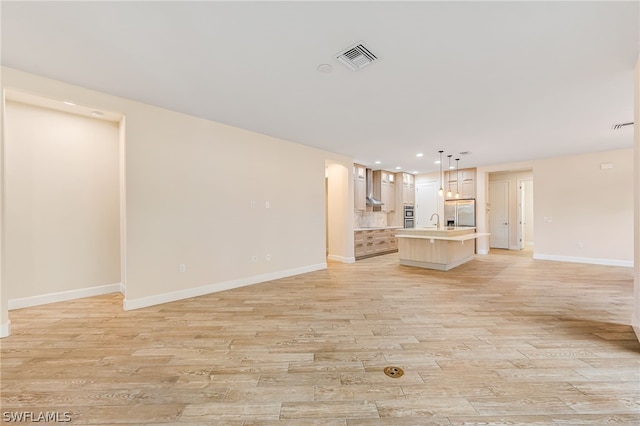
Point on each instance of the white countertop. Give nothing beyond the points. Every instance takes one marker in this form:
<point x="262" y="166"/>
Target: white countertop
<point x="378" y="227"/>
<point x="460" y="238"/>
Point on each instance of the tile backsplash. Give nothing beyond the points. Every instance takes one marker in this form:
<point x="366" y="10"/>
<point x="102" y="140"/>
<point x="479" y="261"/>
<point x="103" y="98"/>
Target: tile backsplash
<point x="370" y="220"/>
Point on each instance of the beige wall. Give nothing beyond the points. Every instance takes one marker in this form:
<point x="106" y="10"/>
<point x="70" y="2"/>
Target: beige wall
<point x="196" y="195"/>
<point x="591" y="210"/>
<point x="62" y="201"/>
<point x="5" y="323"/>
<point x="636" y="178"/>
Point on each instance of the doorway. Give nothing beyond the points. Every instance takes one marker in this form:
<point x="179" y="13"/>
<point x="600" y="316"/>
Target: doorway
<point x="525" y="213"/>
<point x="339" y="213"/>
<point x="64" y="201"/>
<point x="499" y="214"/>
<point x="426" y="203"/>
<point x="510" y="209"/>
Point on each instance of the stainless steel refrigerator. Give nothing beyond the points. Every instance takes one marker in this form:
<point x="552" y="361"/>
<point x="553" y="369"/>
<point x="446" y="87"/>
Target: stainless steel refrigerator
<point x="460" y="212"/>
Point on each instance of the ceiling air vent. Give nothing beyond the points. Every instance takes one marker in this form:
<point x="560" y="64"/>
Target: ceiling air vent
<point x="356" y="56"/>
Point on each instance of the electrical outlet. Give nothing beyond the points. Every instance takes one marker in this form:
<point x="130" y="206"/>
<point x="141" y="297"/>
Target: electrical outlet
<point x="267" y="205"/>
<point x="182" y="267"/>
<point x="254" y="259"/>
<point x="253" y="204"/>
<point x="267" y="257"/>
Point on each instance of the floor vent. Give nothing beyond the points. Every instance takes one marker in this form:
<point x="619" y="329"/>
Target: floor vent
<point x="356" y="56"/>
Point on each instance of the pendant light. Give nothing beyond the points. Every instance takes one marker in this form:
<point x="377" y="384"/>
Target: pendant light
<point x="449" y="193"/>
<point x="457" y="178"/>
<point x="441" y="190"/>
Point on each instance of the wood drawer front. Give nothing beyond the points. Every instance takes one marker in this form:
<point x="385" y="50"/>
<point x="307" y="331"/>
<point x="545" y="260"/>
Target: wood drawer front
<point x="381" y="245"/>
<point x="371" y="242"/>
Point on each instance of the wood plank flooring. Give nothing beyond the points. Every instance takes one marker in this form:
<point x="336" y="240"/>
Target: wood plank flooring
<point x="503" y="339"/>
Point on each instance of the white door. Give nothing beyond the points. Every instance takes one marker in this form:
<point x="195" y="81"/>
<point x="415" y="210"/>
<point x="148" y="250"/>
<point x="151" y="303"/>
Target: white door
<point x="499" y="215"/>
<point x="426" y="204"/>
<point x="527" y="235"/>
<point x="521" y="213"/>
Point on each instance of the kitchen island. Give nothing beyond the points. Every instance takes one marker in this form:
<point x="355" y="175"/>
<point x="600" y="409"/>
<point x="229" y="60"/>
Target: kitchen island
<point x="437" y="248"/>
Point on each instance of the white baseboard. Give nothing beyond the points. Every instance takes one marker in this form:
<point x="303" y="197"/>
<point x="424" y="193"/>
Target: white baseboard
<point x="483" y="252"/>
<point x="5" y="329"/>
<point x="143" y="302"/>
<point x="590" y="260"/>
<point x="341" y="258"/>
<point x="43" y="299"/>
<point x="122" y="288"/>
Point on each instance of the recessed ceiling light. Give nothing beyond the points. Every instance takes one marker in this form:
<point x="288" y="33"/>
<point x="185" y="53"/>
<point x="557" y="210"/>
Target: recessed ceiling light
<point x="324" y="68"/>
<point x="377" y="162"/>
<point x="419" y="154"/>
<point x="415" y="172"/>
<point x="68" y="103"/>
<point x="398" y="168"/>
<point x="436" y="162"/>
<point x="97" y="113"/>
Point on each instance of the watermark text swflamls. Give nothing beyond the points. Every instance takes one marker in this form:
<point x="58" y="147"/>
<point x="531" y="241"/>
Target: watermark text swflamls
<point x="35" y="417"/>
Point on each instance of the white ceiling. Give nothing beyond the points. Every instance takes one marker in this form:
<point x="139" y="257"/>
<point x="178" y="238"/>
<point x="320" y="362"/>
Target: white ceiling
<point x="507" y="81"/>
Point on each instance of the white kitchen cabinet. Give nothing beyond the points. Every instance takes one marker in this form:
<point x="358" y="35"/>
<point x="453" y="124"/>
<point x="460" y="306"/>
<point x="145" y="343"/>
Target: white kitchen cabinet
<point x="359" y="187"/>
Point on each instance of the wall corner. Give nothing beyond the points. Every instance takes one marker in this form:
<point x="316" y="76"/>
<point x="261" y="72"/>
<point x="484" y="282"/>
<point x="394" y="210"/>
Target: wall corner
<point x="635" y="318"/>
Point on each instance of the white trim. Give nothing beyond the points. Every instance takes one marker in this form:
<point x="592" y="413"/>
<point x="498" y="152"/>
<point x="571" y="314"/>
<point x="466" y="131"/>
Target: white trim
<point x="43" y="299"/>
<point x="143" y="302"/>
<point x="122" y="288"/>
<point x="636" y="329"/>
<point x="5" y="329"/>
<point x="593" y="261"/>
<point x="483" y="251"/>
<point x="341" y="258"/>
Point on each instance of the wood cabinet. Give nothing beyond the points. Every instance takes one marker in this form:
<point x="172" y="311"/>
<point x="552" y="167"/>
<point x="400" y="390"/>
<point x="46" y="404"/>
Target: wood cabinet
<point x="463" y="181"/>
<point x="406" y="189"/>
<point x="374" y="242"/>
<point x="468" y="184"/>
<point x="359" y="187"/>
<point x="384" y="189"/>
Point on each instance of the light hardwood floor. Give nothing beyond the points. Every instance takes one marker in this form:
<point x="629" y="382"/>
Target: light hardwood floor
<point x="503" y="339"/>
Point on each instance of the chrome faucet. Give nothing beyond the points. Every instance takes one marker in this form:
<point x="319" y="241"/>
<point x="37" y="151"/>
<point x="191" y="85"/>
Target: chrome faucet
<point x="438" y="222"/>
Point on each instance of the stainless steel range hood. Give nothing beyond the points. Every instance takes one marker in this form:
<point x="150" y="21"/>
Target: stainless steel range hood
<point x="371" y="201"/>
